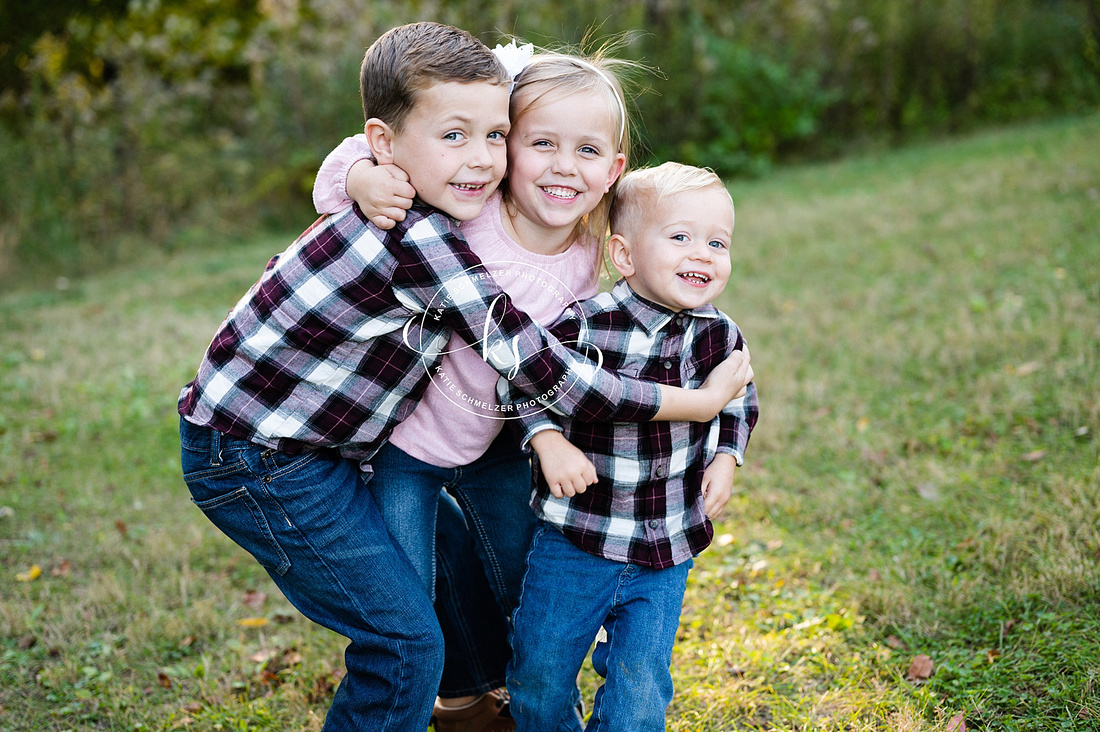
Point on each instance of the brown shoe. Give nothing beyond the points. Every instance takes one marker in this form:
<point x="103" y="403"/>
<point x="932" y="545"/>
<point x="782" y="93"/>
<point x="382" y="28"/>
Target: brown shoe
<point x="489" y="713"/>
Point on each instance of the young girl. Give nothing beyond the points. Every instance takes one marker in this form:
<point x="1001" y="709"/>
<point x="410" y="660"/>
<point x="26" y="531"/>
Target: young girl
<point x="541" y="239"/>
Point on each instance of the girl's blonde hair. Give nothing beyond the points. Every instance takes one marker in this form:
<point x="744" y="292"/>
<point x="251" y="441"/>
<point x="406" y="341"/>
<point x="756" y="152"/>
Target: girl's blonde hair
<point x="548" y="77"/>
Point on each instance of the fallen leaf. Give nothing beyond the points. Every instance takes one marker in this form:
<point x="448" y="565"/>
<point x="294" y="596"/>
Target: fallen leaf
<point x="263" y="656"/>
<point x="193" y="707"/>
<point x="254" y="599"/>
<point x="252" y="622"/>
<point x="862" y="424"/>
<point x="283" y="618"/>
<point x="1034" y="456"/>
<point x="957" y="723"/>
<point x="164" y="680"/>
<point x="322" y="689"/>
<point x="187" y="641"/>
<point x="63" y="569"/>
<point x="921" y="669"/>
<point x="123" y="530"/>
<point x="894" y="642"/>
<point x="33" y="573"/>
<point x="992" y="655"/>
<point x="874" y="575"/>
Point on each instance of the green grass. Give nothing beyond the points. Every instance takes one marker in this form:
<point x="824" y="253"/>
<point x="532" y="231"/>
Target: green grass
<point x="925" y="478"/>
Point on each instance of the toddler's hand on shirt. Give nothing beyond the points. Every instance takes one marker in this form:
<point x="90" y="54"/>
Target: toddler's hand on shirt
<point x="718" y="484"/>
<point x="567" y="470"/>
<point x="382" y="191"/>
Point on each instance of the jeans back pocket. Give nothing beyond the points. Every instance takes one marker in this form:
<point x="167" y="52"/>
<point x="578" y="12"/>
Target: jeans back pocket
<point x="239" y="516"/>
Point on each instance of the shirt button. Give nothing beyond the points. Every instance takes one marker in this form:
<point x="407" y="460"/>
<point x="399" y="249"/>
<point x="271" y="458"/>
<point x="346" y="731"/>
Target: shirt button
<point x="661" y="472"/>
<point x="667" y="364"/>
<point x="654" y="523"/>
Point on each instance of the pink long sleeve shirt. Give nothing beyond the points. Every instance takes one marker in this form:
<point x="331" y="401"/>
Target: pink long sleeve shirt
<point x="459" y="414"/>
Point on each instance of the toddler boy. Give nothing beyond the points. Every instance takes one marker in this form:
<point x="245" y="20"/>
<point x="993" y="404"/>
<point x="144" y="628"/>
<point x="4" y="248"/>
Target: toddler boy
<point x="310" y="371"/>
<point x="617" y="554"/>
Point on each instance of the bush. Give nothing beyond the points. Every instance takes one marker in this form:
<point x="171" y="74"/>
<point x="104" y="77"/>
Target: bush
<point x="175" y="118"/>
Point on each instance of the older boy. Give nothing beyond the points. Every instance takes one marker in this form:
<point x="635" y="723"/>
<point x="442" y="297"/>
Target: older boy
<point x="618" y="554"/>
<point x="310" y="371"/>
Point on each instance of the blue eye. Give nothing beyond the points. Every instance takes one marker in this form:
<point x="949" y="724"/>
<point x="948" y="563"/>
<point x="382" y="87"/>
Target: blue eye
<point x="717" y="244"/>
<point x="498" y="135"/>
<point x="452" y="136"/>
<point x="589" y="150"/>
<point x="679" y="237"/>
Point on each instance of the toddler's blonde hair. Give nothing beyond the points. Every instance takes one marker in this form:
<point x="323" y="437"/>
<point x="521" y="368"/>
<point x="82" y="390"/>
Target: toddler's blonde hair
<point x="641" y="190"/>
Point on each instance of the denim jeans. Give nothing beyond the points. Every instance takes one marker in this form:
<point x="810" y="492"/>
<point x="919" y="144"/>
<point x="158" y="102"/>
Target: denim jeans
<point x="567" y="595"/>
<point x="466" y="530"/>
<point x="310" y="521"/>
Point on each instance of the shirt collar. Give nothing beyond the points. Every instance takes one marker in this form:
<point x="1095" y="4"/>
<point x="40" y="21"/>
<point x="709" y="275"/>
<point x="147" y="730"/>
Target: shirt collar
<point x="650" y="316"/>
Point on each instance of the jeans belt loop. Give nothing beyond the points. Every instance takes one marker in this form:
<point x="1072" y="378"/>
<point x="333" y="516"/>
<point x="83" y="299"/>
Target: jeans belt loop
<point x="215" y="447"/>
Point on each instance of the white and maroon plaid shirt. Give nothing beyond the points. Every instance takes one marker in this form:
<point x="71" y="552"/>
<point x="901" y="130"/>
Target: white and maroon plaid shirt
<point x="332" y="346"/>
<point x="646" y="507"/>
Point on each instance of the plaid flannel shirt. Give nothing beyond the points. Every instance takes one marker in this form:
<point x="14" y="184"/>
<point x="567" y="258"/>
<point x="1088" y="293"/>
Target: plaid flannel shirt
<point x="646" y="507"/>
<point x="333" y="345"/>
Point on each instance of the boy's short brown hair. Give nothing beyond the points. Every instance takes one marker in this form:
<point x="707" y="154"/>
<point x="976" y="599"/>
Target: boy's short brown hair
<point x="407" y="59"/>
<point x="640" y="191"/>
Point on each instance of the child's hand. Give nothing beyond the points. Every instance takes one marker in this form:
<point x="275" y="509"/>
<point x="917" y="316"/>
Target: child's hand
<point x="718" y="484"/>
<point x="730" y="378"/>
<point x="382" y="191"/>
<point x="567" y="470"/>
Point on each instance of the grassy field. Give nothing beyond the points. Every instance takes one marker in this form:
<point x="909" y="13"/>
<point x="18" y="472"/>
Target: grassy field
<point x="924" y="481"/>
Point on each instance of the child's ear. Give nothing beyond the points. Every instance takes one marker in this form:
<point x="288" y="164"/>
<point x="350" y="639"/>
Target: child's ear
<point x="618" y="249"/>
<point x="380" y="138"/>
<point x="616" y="170"/>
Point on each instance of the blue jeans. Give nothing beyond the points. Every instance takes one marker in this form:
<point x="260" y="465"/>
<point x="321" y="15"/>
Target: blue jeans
<point x="466" y="530"/>
<point x="313" y="525"/>
<point x="567" y="595"/>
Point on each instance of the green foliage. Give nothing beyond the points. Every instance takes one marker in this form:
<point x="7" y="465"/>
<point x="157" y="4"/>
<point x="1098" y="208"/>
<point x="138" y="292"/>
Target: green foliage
<point x="158" y="122"/>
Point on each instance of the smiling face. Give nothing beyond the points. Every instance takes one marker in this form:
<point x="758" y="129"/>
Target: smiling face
<point x="563" y="156"/>
<point x="677" y="254"/>
<point x="451" y="144"/>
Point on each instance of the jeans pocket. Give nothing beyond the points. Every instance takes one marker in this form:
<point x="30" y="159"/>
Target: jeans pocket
<point x="239" y="516"/>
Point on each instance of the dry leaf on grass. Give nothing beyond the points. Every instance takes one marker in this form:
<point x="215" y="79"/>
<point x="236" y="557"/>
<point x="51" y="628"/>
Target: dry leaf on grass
<point x="957" y="723"/>
<point x="254" y="599"/>
<point x="921" y="669"/>
<point x="252" y="622"/>
<point x="32" y="573"/>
